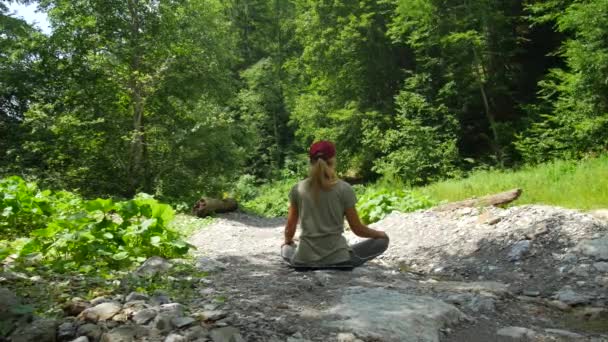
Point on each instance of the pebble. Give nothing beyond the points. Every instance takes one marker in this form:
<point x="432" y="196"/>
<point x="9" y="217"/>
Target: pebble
<point x="519" y="250"/>
<point x="182" y="322"/>
<point x="101" y="312"/>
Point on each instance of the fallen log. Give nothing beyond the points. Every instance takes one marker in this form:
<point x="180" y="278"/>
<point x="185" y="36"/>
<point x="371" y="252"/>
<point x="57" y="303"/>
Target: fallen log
<point x="486" y="201"/>
<point x="207" y="206"/>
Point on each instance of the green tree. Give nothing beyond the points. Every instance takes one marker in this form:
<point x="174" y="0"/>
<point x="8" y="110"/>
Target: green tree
<point x="571" y="118"/>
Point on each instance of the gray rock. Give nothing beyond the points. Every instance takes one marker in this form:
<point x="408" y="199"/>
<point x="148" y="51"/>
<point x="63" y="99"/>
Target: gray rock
<point x="144" y="316"/>
<point x="66" y="331"/>
<point x="75" y="306"/>
<point x="195" y="333"/>
<point x="101" y="312"/>
<point x="136" y="296"/>
<point x="472" y="302"/>
<point x="596" y="248"/>
<point x="568" y="296"/>
<point x="211" y="315"/>
<point x="175" y="338"/>
<point x="182" y="322"/>
<point x="125" y="333"/>
<point x="42" y="330"/>
<point x="226" y="334"/>
<point x="373" y="312"/>
<point x="516" y="333"/>
<point x="205" y="264"/>
<point x="153" y="266"/>
<point x="519" y="250"/>
<point x="81" y="339"/>
<point x="531" y="293"/>
<point x="601" y="266"/>
<point x="162" y="322"/>
<point x="12" y="312"/>
<point x="175" y="309"/>
<point x="563" y="333"/>
<point x="159" y="299"/>
<point x="92" y="331"/>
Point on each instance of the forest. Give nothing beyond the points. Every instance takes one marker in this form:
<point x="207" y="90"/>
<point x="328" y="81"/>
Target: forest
<point x="178" y="98"/>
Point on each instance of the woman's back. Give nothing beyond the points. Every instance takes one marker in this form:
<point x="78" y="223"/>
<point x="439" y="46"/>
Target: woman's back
<point x="321" y="215"/>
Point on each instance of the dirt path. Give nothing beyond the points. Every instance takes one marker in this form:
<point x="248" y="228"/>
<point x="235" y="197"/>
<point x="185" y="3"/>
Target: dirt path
<point x="446" y="277"/>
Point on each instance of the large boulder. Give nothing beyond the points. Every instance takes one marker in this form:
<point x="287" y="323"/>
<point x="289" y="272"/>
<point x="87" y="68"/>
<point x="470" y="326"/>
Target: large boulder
<point x="393" y="316"/>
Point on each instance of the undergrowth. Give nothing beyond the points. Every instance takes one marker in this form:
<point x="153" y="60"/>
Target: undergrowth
<point x="579" y="184"/>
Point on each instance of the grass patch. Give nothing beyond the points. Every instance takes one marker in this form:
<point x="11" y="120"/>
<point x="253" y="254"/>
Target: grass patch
<point x="572" y="184"/>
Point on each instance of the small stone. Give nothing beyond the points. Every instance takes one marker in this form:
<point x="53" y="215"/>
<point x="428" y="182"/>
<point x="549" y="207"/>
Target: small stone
<point x="176" y="309"/>
<point x="136" y="296"/>
<point x="214" y="315"/>
<point x="568" y="296"/>
<point x="163" y="323"/>
<point x="159" y="299"/>
<point x="516" y="332"/>
<point x="75" y="306"/>
<point x="66" y="331"/>
<point x="531" y="293"/>
<point x="143" y="316"/>
<point x="101" y="312"/>
<point x="205" y="264"/>
<point x="81" y="339"/>
<point x="570" y="258"/>
<point x="518" y="250"/>
<point x="92" y="331"/>
<point x="195" y="333"/>
<point x="120" y="317"/>
<point x="226" y="334"/>
<point x="124" y="333"/>
<point x="153" y="266"/>
<point x="601" y="266"/>
<point x="559" y="305"/>
<point x="182" y="322"/>
<point x="42" y="330"/>
<point x="175" y="338"/>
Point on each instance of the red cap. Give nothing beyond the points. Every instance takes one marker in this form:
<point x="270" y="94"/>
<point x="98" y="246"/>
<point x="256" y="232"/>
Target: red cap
<point x="322" y="149"/>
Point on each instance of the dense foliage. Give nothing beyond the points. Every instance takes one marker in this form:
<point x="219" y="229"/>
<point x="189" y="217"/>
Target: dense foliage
<point x="182" y="98"/>
<point x="68" y="233"/>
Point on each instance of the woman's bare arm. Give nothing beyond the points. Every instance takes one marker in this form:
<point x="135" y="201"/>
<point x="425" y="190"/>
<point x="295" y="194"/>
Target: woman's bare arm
<point x="359" y="228"/>
<point x="292" y="223"/>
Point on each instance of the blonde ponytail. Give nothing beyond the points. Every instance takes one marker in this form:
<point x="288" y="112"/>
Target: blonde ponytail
<point x="322" y="175"/>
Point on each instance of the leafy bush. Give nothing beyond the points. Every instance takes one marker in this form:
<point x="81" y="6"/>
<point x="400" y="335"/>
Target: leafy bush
<point x="377" y="202"/>
<point x="72" y="234"/>
<point x="272" y="199"/>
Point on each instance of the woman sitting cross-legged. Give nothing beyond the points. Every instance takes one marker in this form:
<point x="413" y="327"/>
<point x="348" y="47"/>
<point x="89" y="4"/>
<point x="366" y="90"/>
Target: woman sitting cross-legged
<point x="320" y="203"/>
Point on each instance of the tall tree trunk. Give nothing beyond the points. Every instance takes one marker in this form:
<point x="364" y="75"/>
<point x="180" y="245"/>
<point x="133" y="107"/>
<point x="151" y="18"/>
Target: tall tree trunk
<point x="481" y="75"/>
<point x="137" y="161"/>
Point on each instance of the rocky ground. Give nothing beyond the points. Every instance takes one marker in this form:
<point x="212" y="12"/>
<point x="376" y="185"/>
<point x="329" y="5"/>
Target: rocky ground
<point x="529" y="273"/>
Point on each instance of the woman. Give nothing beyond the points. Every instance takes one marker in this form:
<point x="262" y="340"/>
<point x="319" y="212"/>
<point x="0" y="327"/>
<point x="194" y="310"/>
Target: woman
<point x="320" y="203"/>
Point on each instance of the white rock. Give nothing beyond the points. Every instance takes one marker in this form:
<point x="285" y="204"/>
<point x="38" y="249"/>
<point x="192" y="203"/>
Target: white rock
<point x="175" y="338"/>
<point x="516" y="332"/>
<point x="101" y="312"/>
<point x="563" y="333"/>
<point x="81" y="339"/>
